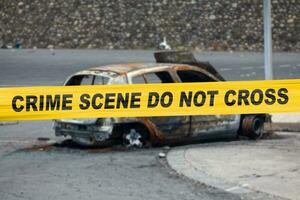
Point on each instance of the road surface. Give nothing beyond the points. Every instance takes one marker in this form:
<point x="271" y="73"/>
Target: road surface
<point x="68" y="172"/>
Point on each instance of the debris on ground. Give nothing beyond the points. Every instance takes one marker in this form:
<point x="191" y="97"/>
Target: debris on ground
<point x="161" y="155"/>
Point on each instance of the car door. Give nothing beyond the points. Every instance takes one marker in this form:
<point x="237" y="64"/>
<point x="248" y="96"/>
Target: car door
<point x="173" y="127"/>
<point x="207" y="125"/>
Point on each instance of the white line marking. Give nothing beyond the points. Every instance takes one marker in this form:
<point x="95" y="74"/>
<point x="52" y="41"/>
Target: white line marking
<point x="232" y="188"/>
<point x="247" y="68"/>
<point x="225" y="69"/>
<point x="237" y="187"/>
<point x="284" y="66"/>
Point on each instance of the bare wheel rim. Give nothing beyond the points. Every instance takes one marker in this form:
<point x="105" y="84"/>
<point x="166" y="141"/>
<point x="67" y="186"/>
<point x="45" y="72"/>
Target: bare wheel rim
<point x="133" y="139"/>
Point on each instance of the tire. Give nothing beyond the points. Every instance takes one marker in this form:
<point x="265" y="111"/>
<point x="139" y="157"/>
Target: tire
<point x="253" y="127"/>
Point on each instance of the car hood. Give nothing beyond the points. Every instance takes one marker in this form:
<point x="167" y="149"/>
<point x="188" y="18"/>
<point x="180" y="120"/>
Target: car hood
<point x="86" y="121"/>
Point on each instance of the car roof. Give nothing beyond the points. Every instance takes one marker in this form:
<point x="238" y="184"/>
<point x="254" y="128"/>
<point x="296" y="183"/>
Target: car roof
<point x="131" y="67"/>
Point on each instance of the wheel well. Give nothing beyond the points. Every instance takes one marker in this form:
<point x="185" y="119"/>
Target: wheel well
<point x="119" y="129"/>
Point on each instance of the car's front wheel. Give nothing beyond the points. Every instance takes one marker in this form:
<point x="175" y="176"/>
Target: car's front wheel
<point x="136" y="137"/>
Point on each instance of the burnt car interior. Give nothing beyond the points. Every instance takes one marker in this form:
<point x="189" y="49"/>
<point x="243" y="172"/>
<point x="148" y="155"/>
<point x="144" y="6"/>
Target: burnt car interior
<point x="153" y="77"/>
<point x="189" y="76"/>
<point x="87" y="80"/>
<point x="185" y="57"/>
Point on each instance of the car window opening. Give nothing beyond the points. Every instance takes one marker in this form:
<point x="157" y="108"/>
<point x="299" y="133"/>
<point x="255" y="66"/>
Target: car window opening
<point x="190" y="76"/>
<point x="88" y="80"/>
<point x="138" y="79"/>
<point x="153" y="77"/>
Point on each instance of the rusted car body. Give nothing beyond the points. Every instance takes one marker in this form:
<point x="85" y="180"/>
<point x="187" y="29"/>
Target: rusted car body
<point x="171" y="67"/>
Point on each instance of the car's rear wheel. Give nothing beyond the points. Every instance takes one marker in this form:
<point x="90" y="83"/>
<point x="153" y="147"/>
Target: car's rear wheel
<point x="253" y="126"/>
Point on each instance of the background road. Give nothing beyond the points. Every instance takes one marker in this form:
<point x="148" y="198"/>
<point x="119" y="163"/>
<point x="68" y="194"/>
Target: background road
<point x="45" y="67"/>
<point x="67" y="172"/>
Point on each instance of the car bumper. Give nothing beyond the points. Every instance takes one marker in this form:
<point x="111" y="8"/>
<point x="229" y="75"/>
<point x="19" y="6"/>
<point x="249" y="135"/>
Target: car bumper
<point x="90" y="132"/>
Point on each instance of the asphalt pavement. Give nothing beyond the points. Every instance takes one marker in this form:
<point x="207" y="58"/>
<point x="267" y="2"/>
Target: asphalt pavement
<point x="33" y="168"/>
<point x="46" y="67"/>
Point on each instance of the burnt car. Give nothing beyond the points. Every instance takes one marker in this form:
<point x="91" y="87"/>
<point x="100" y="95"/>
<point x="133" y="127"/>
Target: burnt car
<point x="170" y="67"/>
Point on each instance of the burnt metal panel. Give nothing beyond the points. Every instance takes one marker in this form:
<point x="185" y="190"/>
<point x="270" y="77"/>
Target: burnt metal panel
<point x="185" y="57"/>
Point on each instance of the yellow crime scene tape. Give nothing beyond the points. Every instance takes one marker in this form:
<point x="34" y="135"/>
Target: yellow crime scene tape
<point x="240" y="97"/>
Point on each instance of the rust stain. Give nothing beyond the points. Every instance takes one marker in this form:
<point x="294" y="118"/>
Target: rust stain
<point x="38" y="147"/>
<point x="107" y="149"/>
<point x="67" y="145"/>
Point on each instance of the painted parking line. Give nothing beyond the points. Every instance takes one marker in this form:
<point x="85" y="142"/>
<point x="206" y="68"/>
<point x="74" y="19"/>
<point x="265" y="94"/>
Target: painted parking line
<point x="237" y="187"/>
<point x="247" y="68"/>
<point x="284" y="66"/>
<point x="259" y="67"/>
<point x="243" y="68"/>
<point x="225" y="69"/>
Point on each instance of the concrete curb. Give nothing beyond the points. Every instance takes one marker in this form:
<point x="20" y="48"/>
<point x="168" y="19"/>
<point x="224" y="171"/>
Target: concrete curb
<point x="283" y="127"/>
<point x="176" y="160"/>
<point x="272" y="170"/>
<point x="286" y="118"/>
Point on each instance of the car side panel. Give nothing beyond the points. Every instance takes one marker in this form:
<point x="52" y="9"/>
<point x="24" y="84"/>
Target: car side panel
<point x="171" y="127"/>
<point x="174" y="127"/>
<point x="214" y="125"/>
<point x="211" y="126"/>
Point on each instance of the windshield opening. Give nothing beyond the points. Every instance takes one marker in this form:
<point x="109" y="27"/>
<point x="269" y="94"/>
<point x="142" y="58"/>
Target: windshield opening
<point x="88" y="80"/>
